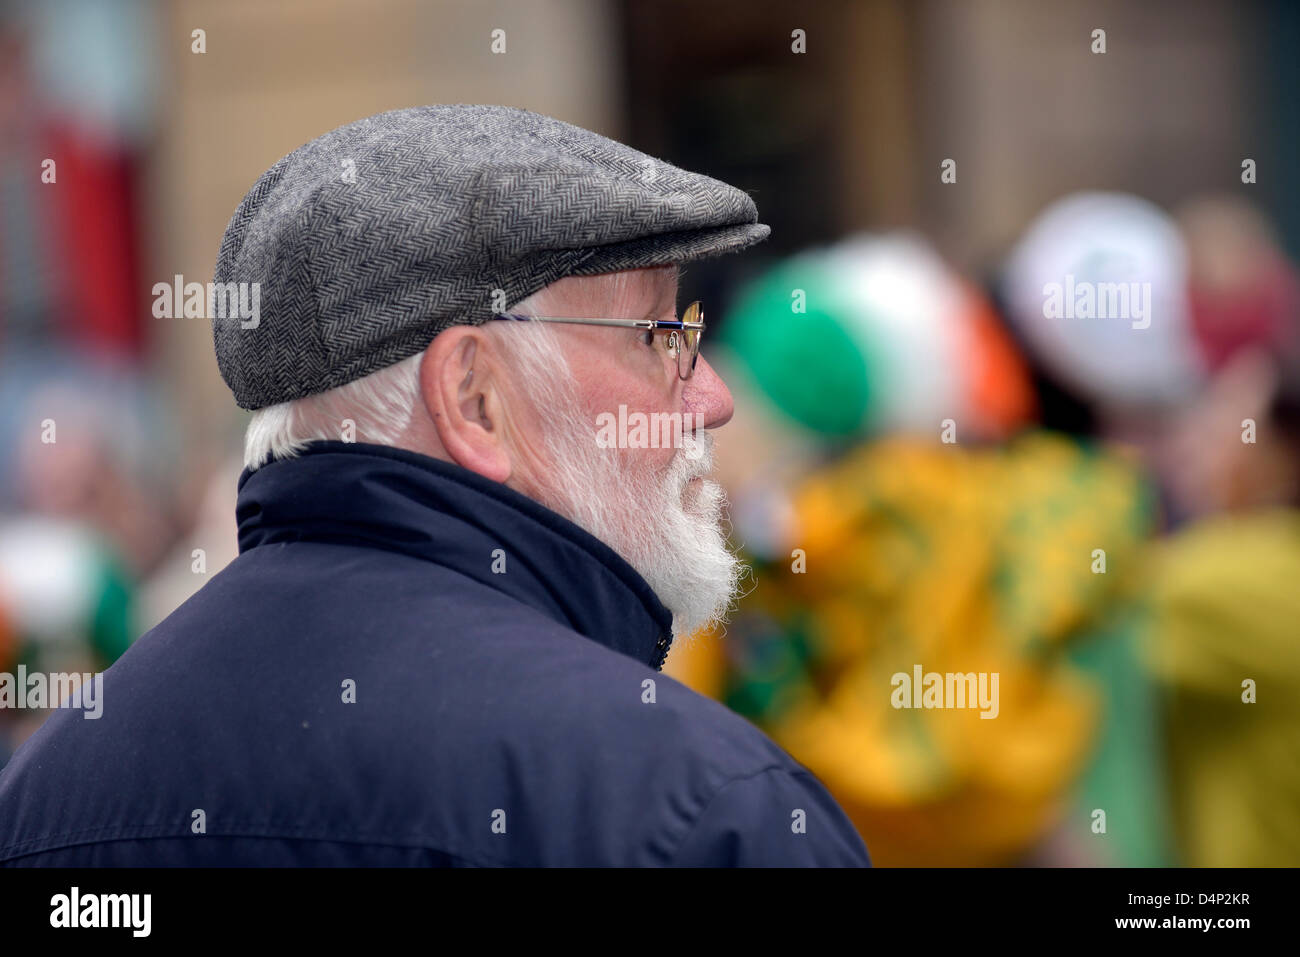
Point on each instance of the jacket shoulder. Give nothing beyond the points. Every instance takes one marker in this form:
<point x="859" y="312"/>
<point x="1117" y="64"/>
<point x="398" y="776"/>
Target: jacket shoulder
<point x="728" y="795"/>
<point x="774" y="818"/>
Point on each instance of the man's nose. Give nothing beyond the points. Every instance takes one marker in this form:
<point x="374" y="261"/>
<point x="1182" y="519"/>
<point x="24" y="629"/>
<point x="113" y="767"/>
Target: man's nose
<point x="706" y="394"/>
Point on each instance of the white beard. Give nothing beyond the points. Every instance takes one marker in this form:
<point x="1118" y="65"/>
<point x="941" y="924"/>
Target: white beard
<point x="668" y="528"/>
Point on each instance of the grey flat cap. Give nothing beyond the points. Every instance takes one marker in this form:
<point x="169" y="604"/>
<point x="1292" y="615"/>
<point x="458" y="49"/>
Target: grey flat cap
<point x="370" y="240"/>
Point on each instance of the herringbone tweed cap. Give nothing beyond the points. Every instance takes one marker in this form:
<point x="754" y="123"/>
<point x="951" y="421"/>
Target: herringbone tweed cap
<point x="370" y="240"/>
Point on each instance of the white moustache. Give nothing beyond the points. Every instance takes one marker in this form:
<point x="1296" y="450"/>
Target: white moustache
<point x="697" y="455"/>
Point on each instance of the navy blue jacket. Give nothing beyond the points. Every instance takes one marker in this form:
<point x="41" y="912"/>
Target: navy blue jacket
<point x="409" y="664"/>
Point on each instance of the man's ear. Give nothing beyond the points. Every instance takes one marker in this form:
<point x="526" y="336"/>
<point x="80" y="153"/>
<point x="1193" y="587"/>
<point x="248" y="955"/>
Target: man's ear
<point x="461" y="392"/>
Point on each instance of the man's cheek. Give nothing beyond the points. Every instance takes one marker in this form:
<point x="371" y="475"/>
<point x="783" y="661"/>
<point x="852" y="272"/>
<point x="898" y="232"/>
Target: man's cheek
<point x="647" y="462"/>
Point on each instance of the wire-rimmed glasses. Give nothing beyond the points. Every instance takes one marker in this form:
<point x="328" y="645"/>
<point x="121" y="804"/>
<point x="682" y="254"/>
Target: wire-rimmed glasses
<point x="682" y="341"/>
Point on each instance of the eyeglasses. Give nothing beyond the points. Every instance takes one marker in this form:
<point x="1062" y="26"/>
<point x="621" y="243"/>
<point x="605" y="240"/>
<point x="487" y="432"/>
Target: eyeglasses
<point x="682" y="342"/>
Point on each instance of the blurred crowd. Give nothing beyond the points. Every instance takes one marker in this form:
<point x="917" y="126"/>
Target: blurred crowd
<point x="105" y="526"/>
<point x="937" y="471"/>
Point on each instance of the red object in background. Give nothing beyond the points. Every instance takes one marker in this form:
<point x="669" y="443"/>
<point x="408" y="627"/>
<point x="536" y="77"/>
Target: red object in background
<point x="8" y="638"/>
<point x="1263" y="314"/>
<point x="96" y="240"/>
<point x="1001" y="393"/>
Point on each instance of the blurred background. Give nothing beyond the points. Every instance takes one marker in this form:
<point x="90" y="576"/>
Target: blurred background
<point x="955" y="446"/>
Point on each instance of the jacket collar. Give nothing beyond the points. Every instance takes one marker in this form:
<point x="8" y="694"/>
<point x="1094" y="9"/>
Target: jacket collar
<point x="394" y="499"/>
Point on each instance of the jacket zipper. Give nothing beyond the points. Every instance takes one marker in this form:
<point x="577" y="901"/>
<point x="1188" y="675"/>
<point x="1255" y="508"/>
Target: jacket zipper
<point x="661" y="648"/>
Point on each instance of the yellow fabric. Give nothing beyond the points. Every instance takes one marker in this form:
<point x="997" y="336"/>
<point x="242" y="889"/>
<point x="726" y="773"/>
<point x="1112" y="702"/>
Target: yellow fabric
<point x="957" y="560"/>
<point x="1227" y="609"/>
<point x="699" y="662"/>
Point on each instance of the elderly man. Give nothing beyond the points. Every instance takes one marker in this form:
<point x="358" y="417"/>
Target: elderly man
<point x="440" y="642"/>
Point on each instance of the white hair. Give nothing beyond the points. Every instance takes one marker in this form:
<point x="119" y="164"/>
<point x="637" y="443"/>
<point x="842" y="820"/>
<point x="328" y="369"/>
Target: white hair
<point x="380" y="406"/>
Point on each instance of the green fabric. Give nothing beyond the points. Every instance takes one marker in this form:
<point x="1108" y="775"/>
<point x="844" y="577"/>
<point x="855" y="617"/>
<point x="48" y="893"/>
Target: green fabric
<point x="1125" y="777"/>
<point x="111" y="627"/>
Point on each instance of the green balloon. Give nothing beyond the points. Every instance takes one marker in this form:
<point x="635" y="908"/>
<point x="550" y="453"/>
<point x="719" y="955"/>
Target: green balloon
<point x="809" y="363"/>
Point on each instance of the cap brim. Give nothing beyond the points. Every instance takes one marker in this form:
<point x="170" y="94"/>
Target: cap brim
<point x="667" y="248"/>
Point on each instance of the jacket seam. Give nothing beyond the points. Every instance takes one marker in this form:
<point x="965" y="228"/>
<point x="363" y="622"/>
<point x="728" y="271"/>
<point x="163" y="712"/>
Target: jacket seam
<point x="695" y="825"/>
<point x="114" y="833"/>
